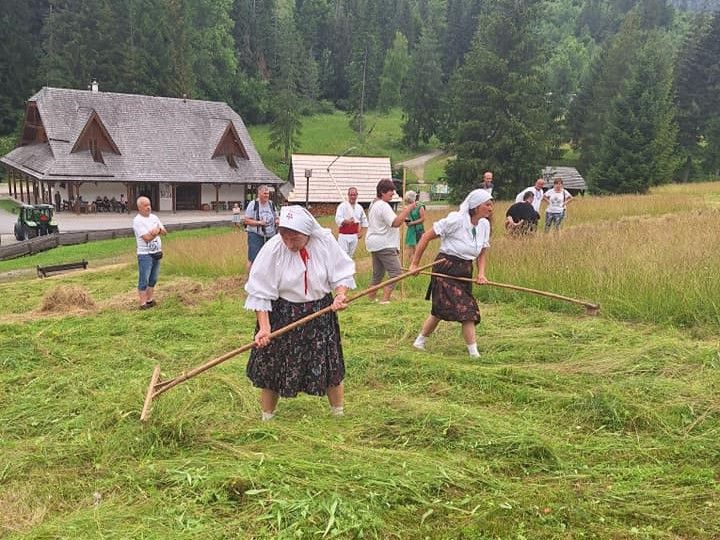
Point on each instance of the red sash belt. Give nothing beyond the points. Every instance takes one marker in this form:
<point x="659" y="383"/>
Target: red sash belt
<point x="352" y="228"/>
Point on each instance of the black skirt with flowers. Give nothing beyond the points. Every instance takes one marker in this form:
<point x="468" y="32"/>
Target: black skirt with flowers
<point x="307" y="359"/>
<point x="452" y="299"/>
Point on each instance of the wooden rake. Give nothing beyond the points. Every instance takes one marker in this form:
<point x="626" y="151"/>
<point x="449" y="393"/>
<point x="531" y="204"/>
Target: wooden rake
<point x="157" y="387"/>
<point x="590" y="308"/>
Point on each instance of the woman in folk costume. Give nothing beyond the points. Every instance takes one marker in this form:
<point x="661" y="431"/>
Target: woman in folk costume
<point x="293" y="276"/>
<point x="464" y="238"/>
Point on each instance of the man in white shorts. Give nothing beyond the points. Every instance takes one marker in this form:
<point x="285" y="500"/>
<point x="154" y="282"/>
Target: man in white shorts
<point x="351" y="219"/>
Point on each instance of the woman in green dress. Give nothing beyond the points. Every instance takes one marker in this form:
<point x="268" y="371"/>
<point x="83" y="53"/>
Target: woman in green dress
<point x="414" y="222"/>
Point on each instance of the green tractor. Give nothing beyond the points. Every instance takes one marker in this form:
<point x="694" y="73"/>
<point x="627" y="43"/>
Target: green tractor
<point x="35" y="221"/>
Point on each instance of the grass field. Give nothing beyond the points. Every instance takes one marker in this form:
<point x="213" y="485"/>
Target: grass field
<point x="569" y="426"/>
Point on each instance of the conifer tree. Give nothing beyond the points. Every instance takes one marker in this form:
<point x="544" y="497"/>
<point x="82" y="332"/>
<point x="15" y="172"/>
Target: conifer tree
<point x="498" y="115"/>
<point x="638" y="148"/>
<point x="421" y="96"/>
<point x="20" y="26"/>
<point x="395" y="70"/>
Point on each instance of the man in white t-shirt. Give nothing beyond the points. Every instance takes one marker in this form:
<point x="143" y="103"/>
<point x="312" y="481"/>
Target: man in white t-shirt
<point x="557" y="198"/>
<point x="148" y="229"/>
<point x="538" y="192"/>
<point x="383" y="237"/>
<point x="350" y="219"/>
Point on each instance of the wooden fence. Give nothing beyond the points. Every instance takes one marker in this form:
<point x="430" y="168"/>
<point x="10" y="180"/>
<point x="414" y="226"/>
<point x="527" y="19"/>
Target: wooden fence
<point x="44" y="243"/>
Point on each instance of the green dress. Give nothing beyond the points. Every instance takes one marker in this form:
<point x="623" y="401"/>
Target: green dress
<point x="414" y="232"/>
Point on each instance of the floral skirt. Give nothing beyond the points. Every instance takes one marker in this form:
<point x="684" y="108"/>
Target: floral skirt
<point x="307" y="359"/>
<point x="452" y="299"/>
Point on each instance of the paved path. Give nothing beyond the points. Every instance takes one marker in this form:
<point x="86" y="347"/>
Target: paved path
<point x="69" y="221"/>
<point x="417" y="164"/>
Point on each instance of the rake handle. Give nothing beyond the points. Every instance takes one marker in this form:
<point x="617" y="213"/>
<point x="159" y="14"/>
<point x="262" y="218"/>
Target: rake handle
<point x="163" y="386"/>
<point x="587" y="305"/>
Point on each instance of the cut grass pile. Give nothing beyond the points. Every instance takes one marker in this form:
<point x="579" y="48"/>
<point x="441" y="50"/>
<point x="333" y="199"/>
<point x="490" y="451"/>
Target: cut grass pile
<point x="567" y="427"/>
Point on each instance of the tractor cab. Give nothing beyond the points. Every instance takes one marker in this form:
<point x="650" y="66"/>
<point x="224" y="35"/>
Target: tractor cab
<point x="35" y="220"/>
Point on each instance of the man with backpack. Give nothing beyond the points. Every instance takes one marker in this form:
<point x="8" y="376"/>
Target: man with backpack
<point x="261" y="219"/>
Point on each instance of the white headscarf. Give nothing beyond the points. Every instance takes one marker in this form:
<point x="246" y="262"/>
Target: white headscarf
<point x="474" y="199"/>
<point x="299" y="219"/>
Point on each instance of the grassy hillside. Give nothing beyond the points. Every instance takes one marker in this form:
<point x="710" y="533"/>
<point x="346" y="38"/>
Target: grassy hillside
<point x="331" y="134"/>
<point x="569" y="426"/>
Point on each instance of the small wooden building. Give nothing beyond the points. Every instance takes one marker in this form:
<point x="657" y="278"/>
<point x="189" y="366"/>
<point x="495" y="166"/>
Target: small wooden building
<point x="183" y="154"/>
<point x="330" y="178"/>
<point x="572" y="180"/>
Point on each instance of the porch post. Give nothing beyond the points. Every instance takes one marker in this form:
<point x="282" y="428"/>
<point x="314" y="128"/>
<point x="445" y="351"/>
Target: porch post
<point x="174" y="197"/>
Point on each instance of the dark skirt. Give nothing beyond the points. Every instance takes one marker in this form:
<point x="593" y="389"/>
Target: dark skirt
<point x="307" y="359"/>
<point x="452" y="299"/>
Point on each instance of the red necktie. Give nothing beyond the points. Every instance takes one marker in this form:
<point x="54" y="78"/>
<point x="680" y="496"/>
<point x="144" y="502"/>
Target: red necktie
<point x="304" y="256"/>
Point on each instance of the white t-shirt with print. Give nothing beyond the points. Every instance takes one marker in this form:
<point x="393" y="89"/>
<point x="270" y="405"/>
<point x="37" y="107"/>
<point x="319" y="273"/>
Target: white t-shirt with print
<point x="556" y="200"/>
<point x="143" y="225"/>
<point x="265" y="214"/>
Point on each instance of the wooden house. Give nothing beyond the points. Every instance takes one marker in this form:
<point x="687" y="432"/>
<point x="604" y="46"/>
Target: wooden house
<point x="184" y="154"/>
<point x="572" y="180"/>
<point x="331" y="176"/>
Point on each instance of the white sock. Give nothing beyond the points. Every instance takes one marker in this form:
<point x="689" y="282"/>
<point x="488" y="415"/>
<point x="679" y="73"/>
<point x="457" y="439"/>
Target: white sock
<point x="419" y="342"/>
<point x="473" y="350"/>
<point x="337" y="411"/>
<point x="267" y="416"/>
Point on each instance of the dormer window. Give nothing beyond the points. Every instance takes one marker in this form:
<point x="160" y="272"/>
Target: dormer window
<point x="96" y="139"/>
<point x="230" y="146"/>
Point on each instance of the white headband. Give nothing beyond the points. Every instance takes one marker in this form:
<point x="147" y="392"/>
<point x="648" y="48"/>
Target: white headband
<point x="474" y="199"/>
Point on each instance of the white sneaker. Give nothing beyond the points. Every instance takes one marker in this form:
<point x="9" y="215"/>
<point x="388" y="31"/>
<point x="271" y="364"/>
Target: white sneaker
<point x="474" y="355"/>
<point x="267" y="416"/>
<point x="419" y="345"/>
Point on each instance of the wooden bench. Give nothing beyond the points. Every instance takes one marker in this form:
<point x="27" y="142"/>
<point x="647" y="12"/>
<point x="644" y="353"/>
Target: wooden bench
<point x="43" y="271"/>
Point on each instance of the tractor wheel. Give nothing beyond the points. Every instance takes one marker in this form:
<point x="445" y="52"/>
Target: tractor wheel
<point x="18" y="233"/>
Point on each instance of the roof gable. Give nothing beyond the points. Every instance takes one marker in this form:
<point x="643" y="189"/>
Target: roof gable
<point x="33" y="128"/>
<point x="94" y="136"/>
<point x="229" y="144"/>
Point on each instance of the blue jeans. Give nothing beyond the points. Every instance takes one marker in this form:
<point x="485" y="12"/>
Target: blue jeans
<point x="553" y="219"/>
<point x="148" y="270"/>
<point x="255" y="243"/>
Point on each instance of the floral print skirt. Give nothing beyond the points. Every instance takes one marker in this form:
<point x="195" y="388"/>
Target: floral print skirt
<point x="452" y="299"/>
<point x="307" y="359"/>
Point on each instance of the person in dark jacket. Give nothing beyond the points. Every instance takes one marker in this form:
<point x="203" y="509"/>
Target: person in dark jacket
<point x="521" y="218"/>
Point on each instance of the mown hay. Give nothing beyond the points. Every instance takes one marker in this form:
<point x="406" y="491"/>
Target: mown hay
<point x="67" y="297"/>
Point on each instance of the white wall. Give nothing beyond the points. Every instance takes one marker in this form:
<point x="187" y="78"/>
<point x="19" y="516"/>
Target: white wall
<point x="232" y="193"/>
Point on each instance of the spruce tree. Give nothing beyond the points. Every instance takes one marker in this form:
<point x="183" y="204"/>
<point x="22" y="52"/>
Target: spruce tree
<point x="638" y="147"/>
<point x="421" y="96"/>
<point x="498" y="114"/>
<point x="395" y="70"/>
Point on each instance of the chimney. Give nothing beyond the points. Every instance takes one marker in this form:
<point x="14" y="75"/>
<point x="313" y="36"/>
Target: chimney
<point x="94" y="86"/>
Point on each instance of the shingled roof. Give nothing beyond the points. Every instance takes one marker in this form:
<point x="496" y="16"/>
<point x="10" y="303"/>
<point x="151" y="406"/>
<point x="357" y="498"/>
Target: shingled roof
<point x="159" y="139"/>
<point x="361" y="172"/>
<point x="572" y="180"/>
